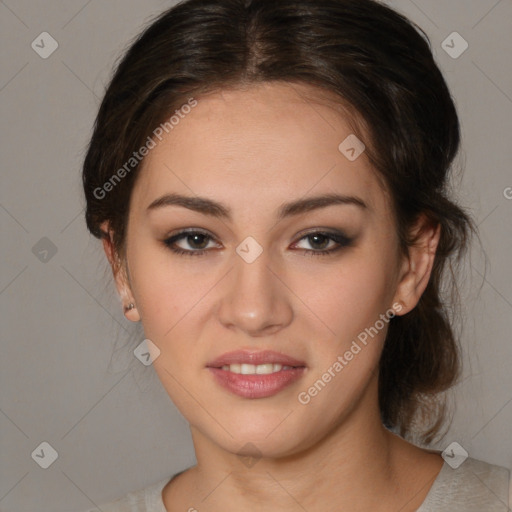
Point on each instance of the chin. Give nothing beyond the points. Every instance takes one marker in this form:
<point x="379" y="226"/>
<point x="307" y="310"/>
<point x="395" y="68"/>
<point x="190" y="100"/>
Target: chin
<point x="269" y="439"/>
<point x="277" y="448"/>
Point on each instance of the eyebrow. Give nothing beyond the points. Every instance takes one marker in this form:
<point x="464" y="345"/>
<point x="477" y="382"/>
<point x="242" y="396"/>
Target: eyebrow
<point x="215" y="209"/>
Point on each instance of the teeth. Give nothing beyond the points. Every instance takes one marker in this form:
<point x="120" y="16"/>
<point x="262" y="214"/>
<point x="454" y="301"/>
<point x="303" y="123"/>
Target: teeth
<point x="251" y="369"/>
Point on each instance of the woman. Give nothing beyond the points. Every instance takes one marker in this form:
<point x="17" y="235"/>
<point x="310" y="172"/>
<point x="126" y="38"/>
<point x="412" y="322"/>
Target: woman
<point x="270" y="182"/>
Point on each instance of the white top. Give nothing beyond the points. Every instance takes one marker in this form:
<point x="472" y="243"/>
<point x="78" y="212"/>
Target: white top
<point x="475" y="486"/>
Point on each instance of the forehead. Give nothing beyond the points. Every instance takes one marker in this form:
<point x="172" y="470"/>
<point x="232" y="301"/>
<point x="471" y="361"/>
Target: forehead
<point x="262" y="145"/>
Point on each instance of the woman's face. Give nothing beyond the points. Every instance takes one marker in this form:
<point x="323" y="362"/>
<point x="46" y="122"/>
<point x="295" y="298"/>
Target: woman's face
<point x="258" y="275"/>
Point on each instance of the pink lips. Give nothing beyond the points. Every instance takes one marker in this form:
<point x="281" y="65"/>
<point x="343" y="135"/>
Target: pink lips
<point x="259" y="385"/>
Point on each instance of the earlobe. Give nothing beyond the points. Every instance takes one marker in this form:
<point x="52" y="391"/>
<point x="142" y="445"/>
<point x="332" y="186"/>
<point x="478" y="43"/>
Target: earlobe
<point x="131" y="312"/>
<point x="418" y="265"/>
<point x="125" y="293"/>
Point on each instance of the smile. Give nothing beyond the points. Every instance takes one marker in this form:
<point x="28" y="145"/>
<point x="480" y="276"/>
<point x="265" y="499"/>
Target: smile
<point x="251" y="369"/>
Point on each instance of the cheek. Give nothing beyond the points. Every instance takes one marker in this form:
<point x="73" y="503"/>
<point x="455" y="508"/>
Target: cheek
<point x="165" y="292"/>
<point x="174" y="301"/>
<point x="353" y="306"/>
<point x="351" y="296"/>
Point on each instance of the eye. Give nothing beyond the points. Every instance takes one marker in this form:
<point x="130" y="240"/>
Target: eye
<point x="198" y="241"/>
<point x="326" y="242"/>
<point x="193" y="238"/>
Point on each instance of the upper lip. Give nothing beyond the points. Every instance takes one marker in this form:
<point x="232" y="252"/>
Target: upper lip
<point x="254" y="357"/>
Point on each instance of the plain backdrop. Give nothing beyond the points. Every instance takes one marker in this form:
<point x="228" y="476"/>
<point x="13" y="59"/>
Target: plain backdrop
<point x="68" y="374"/>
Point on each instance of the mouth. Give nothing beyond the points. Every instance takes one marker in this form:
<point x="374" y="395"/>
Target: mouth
<point x="252" y="374"/>
<point x="247" y="359"/>
<point x="260" y="369"/>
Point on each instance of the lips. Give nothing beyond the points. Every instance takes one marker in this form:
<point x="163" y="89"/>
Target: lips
<point x="229" y="372"/>
<point x="255" y="358"/>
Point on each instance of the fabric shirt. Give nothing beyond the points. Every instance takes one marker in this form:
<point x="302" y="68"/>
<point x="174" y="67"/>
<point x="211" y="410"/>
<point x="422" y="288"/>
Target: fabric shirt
<point x="475" y="486"/>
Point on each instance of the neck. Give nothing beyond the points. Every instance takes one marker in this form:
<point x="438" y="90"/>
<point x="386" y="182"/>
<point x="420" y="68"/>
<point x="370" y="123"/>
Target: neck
<point x="358" y="466"/>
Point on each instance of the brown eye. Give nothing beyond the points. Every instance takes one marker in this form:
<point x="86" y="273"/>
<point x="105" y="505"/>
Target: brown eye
<point x="196" y="242"/>
<point x="325" y="243"/>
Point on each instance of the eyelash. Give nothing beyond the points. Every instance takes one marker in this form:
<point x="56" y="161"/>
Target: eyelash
<point x="339" y="238"/>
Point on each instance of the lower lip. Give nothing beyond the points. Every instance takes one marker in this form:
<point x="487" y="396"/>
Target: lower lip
<point x="256" y="386"/>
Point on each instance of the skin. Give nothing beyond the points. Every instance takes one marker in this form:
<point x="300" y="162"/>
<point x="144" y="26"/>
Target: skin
<point x="253" y="150"/>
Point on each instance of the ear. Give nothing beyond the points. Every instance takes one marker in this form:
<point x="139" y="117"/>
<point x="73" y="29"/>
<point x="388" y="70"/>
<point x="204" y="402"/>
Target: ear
<point x="120" y="274"/>
<point x="417" y="265"/>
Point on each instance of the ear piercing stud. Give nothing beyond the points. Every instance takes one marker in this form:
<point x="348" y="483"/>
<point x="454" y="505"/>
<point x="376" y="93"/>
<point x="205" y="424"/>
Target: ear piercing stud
<point x="129" y="307"/>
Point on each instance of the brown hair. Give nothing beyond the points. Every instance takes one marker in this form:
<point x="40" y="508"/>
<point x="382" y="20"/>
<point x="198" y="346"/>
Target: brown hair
<point x="372" y="59"/>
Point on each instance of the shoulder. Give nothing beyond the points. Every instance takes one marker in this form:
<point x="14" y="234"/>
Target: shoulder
<point x="472" y="487"/>
<point x="148" y="499"/>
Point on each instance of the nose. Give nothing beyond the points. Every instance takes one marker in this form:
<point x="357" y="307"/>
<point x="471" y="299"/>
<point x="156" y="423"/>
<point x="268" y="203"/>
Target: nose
<point x="255" y="299"/>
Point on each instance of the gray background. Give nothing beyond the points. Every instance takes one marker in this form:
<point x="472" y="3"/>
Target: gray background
<point x="112" y="424"/>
